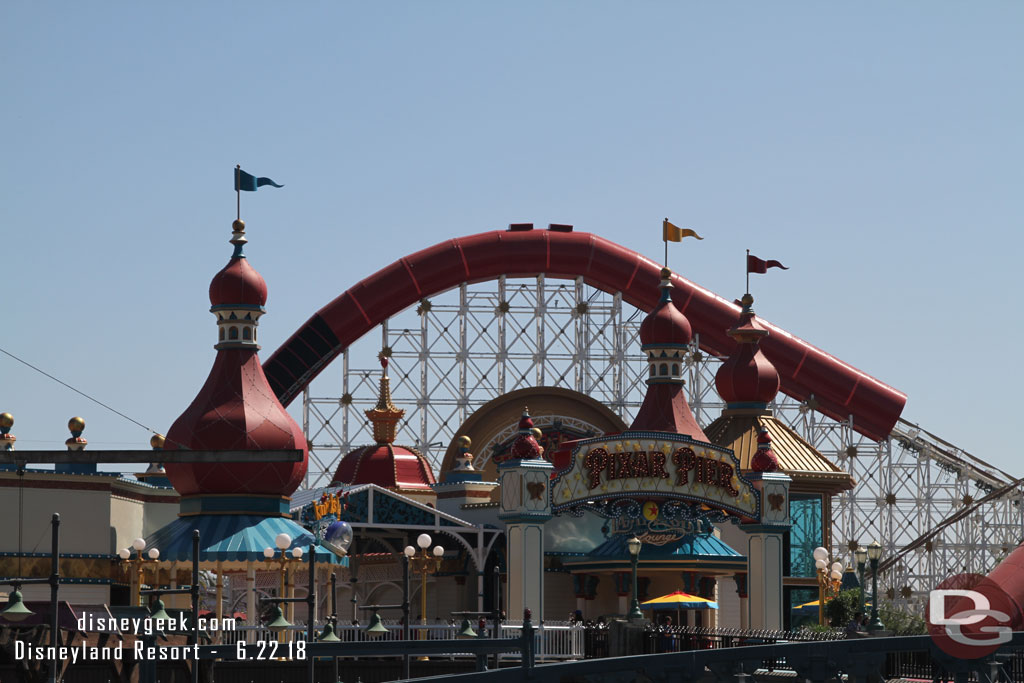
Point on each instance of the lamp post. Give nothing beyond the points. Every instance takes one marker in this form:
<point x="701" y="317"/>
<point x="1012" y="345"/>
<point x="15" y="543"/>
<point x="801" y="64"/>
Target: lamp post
<point x="828" y="579"/>
<point x="283" y="541"/>
<point x="140" y="562"/>
<point x="874" y="554"/>
<point x="424" y="563"/>
<point x="861" y="555"/>
<point x="633" y="545"/>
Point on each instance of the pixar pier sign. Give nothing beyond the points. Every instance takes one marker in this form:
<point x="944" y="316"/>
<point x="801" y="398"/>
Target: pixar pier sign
<point x="654" y="465"/>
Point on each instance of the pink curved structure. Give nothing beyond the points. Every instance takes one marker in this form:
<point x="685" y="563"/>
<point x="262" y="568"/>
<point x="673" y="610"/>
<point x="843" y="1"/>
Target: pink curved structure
<point x="841" y="391"/>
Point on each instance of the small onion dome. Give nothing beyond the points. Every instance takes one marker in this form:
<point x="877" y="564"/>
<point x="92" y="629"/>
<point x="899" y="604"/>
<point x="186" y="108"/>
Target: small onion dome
<point x="747" y="376"/>
<point x="238" y="283"/>
<point x="665" y="325"/>
<point x="387" y="465"/>
<point x="764" y="459"/>
<point x="525" y="447"/>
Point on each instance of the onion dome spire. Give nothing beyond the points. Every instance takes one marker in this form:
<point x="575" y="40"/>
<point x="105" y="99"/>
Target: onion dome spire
<point x="764" y="459"/>
<point x="236" y="409"/>
<point x="237" y="296"/>
<point x="525" y="447"/>
<point x="747" y="379"/>
<point x="384" y="415"/>
<point x="665" y="336"/>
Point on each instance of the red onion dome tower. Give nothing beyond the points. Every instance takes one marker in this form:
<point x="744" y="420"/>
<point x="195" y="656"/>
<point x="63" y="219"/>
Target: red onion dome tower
<point x="526" y="446"/>
<point x="397" y="468"/>
<point x="665" y="336"/>
<point x="747" y="378"/>
<point x="748" y="382"/>
<point x="236" y="409"/>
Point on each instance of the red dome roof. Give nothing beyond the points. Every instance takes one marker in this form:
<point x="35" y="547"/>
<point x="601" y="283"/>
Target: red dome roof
<point x="666" y="324"/>
<point x="747" y="376"/>
<point x="238" y="283"/>
<point x="386" y="465"/>
<point x="236" y="410"/>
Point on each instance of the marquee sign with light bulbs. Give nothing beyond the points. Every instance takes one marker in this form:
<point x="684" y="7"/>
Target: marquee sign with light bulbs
<point x="651" y="467"/>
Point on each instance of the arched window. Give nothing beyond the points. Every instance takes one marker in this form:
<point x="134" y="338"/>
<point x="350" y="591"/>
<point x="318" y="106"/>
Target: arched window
<point x="221" y="334"/>
<point x="246" y="333"/>
<point x="652" y="369"/>
<point x="233" y="333"/>
<point x="663" y="371"/>
<point x="675" y="368"/>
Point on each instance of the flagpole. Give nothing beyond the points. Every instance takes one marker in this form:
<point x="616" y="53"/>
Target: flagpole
<point x="664" y="238"/>
<point x="746" y="267"/>
<point x="238" y="191"/>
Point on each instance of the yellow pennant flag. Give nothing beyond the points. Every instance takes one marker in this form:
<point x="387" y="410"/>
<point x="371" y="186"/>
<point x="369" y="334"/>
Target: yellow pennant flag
<point x="671" y="233"/>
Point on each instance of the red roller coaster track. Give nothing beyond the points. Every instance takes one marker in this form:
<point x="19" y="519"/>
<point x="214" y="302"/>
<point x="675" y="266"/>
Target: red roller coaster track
<point x="841" y="391"/>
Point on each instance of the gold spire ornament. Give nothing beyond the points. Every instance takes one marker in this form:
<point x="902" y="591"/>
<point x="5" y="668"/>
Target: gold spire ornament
<point x="385" y="415"/>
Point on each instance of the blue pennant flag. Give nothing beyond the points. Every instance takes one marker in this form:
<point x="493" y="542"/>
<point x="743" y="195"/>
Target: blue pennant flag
<point x="249" y="183"/>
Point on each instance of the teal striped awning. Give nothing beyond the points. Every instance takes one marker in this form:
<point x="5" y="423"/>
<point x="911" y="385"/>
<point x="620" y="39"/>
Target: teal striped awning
<point x="231" y="538"/>
<point x="697" y="551"/>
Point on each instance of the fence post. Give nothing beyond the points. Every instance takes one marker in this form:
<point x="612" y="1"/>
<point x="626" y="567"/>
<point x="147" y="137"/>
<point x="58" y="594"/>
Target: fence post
<point x="526" y="637"/>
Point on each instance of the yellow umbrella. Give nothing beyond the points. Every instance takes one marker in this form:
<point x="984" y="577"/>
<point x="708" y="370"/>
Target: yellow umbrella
<point x="679" y="601"/>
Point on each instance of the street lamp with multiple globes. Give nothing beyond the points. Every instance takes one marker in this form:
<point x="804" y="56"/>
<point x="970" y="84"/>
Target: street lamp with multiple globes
<point x="874" y="554"/>
<point x="633" y="545"/>
<point x="829" y="579"/>
<point x="424" y="563"/>
<point x="140" y="562"/>
<point x="283" y="541"/>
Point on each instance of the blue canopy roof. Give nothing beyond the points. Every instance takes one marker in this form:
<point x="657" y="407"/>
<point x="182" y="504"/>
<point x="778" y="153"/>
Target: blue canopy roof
<point x="691" y="546"/>
<point x="231" y="538"/>
<point x="697" y="550"/>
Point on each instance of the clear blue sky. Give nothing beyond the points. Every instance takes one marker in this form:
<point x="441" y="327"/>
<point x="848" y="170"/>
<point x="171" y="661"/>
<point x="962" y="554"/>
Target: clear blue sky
<point x="873" y="147"/>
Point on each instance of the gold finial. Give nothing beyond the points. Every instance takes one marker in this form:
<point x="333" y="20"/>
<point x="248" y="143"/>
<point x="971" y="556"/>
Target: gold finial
<point x="238" y="225"/>
<point x="666" y="273"/>
<point x="76" y="443"/>
<point x="157" y="442"/>
<point x="6" y="438"/>
<point x="537" y="433"/>
<point x="747" y="300"/>
<point x="464" y="442"/>
<point x="385" y="415"/>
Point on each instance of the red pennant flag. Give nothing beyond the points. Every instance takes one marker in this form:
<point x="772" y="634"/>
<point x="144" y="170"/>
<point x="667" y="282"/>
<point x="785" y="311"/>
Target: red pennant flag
<point x="756" y="265"/>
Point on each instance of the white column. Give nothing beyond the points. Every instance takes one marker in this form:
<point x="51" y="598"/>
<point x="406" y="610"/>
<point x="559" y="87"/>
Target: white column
<point x="764" y="580"/>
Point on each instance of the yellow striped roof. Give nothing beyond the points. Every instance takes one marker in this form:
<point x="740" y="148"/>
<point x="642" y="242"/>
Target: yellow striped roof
<point x="810" y="470"/>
